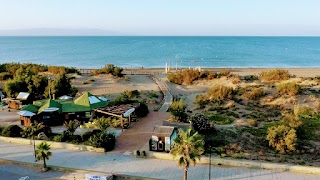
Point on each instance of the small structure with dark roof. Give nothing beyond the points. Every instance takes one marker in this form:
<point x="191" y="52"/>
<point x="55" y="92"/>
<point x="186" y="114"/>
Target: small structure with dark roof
<point x="162" y="138"/>
<point x="121" y="111"/>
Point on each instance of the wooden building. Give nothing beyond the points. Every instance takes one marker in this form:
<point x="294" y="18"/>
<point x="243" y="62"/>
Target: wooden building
<point x="162" y="138"/>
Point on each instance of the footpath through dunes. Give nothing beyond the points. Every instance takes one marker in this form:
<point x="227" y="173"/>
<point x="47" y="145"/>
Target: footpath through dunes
<point x="139" y="133"/>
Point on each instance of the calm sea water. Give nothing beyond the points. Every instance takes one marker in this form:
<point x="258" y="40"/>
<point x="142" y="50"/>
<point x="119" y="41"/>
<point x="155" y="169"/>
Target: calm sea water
<point x="153" y="52"/>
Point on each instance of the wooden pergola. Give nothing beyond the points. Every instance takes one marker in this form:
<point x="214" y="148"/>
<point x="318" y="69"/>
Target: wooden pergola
<point x="118" y="111"/>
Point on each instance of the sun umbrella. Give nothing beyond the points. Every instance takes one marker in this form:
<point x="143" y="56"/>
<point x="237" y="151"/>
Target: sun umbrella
<point x="65" y="97"/>
<point x="26" y="113"/>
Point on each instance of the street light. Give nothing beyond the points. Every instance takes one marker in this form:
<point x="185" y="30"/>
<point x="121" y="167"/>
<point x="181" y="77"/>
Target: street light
<point x="210" y="163"/>
<point x="49" y="86"/>
<point x="2" y="103"/>
<point x="34" y="149"/>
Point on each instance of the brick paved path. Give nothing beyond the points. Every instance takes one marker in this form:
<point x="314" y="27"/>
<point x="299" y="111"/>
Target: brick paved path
<point x="153" y="168"/>
<point x="139" y="134"/>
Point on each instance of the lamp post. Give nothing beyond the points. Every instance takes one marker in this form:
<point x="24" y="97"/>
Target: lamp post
<point x="2" y="103"/>
<point x="49" y="86"/>
<point x="210" y="163"/>
<point x="34" y="149"/>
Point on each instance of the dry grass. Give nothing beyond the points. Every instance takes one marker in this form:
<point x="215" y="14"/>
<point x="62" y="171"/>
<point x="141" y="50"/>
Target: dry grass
<point x="273" y="76"/>
<point x="290" y="88"/>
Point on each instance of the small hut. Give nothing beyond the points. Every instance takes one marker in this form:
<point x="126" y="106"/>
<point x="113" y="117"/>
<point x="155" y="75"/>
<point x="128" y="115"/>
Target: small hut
<point x="50" y="112"/>
<point x="21" y="99"/>
<point x="26" y="117"/>
<point x="162" y="138"/>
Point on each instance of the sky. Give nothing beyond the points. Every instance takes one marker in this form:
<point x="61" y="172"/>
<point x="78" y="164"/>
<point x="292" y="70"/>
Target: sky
<point x="165" y="17"/>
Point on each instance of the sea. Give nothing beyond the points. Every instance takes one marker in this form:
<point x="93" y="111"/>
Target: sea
<point x="156" y="52"/>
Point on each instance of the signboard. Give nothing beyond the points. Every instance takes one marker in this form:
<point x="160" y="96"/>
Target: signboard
<point x="154" y="143"/>
<point x="127" y="114"/>
<point x="95" y="177"/>
<point x="167" y="144"/>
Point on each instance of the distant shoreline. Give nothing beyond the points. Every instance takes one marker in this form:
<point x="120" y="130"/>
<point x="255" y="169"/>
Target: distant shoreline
<point x="301" y="72"/>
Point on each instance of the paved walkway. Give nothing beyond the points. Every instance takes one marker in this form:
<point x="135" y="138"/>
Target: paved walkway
<point x="167" y="95"/>
<point x="152" y="168"/>
<point x="139" y="133"/>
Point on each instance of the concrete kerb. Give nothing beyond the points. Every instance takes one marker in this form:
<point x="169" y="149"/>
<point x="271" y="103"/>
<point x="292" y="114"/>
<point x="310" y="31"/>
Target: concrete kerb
<point x="37" y="165"/>
<point x="59" y="145"/>
<point x="242" y="163"/>
<point x="72" y="170"/>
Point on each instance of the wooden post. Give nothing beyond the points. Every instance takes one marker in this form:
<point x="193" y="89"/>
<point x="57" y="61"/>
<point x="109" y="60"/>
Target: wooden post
<point x="129" y="119"/>
<point x="122" y="123"/>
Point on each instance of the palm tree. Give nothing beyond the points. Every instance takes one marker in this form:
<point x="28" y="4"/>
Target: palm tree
<point x="43" y="153"/>
<point x="71" y="126"/>
<point x="188" y="146"/>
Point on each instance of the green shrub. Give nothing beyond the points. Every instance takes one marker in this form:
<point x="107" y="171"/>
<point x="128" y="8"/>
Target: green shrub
<point x="75" y="139"/>
<point x="229" y="113"/>
<point x="239" y="156"/>
<point x="252" y="122"/>
<point x="289" y="88"/>
<point x="57" y="138"/>
<point x="220" y="93"/>
<point x="142" y="110"/>
<point x="85" y="136"/>
<point x="12" y="131"/>
<point x="274" y="75"/>
<point x="5" y="76"/>
<point x="152" y="95"/>
<point x="220" y="119"/>
<point x="254" y="94"/>
<point x="103" y="140"/>
<point x="251" y="77"/>
<point x="224" y="72"/>
<point x="217" y="108"/>
<point x="109" y="69"/>
<point x="177" y="109"/>
<point x="282" y="138"/>
<point x="220" y="150"/>
<point x="201" y="123"/>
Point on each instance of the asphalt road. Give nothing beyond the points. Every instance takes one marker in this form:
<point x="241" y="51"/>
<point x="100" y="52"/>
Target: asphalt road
<point x="14" y="172"/>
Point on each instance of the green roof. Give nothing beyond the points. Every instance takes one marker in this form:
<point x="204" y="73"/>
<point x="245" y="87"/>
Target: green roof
<point x="50" y="104"/>
<point x="31" y="108"/>
<point x="84" y="103"/>
<point x="90" y="102"/>
<point x="70" y="107"/>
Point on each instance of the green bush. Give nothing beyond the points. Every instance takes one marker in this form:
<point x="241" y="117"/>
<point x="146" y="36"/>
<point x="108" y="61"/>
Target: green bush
<point x="57" y="138"/>
<point x="12" y="131"/>
<point x="142" y="110"/>
<point x="75" y="139"/>
<point x="274" y="75"/>
<point x="251" y="77"/>
<point x="252" y="122"/>
<point x="289" y="88"/>
<point x="239" y="156"/>
<point x="177" y="109"/>
<point x="109" y="69"/>
<point x="86" y="136"/>
<point x="254" y="94"/>
<point x="220" y="93"/>
<point x="201" y="123"/>
<point x="103" y="140"/>
<point x="282" y="138"/>
<point x="152" y="95"/>
<point x="5" y="76"/>
<point x="220" y="119"/>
